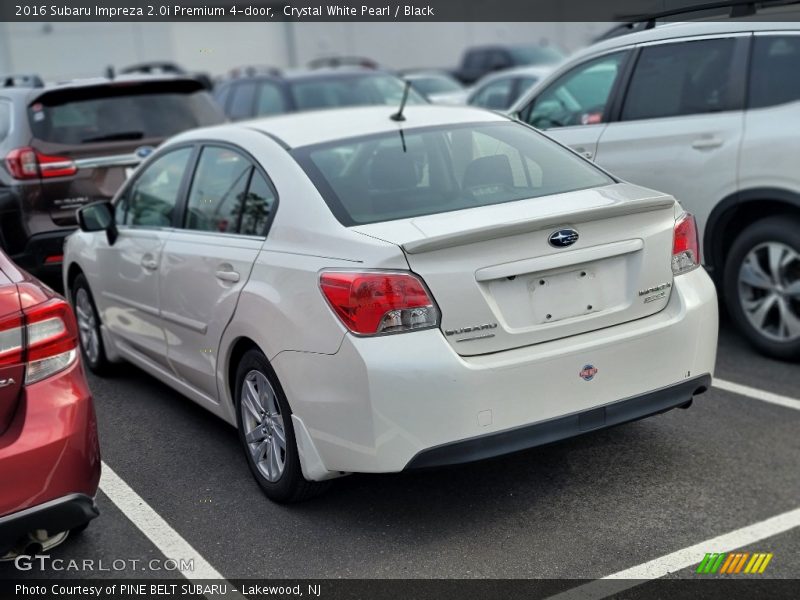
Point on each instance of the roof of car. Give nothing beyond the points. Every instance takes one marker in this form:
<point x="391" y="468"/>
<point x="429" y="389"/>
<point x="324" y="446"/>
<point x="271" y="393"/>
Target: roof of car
<point x="310" y="74"/>
<point x="34" y="91"/>
<point x="316" y="127"/>
<point x="668" y="31"/>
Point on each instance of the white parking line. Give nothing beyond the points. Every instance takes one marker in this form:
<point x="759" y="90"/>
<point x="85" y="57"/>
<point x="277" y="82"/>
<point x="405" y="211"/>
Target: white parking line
<point x="682" y="559"/>
<point x="745" y="390"/>
<point x="165" y="538"/>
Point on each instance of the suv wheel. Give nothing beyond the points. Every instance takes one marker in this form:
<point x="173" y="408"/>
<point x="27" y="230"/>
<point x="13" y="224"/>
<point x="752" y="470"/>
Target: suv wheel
<point x="762" y="286"/>
<point x="267" y="434"/>
<point x="92" y="349"/>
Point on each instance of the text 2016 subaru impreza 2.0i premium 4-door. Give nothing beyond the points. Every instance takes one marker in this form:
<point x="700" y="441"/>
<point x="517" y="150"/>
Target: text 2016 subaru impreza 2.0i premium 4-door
<point x="359" y="293"/>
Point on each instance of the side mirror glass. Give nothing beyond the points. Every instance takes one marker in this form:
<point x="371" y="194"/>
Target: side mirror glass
<point x="98" y="216"/>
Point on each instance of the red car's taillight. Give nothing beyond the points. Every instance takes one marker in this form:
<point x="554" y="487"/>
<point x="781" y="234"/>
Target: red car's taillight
<point x="11" y="340"/>
<point x="45" y="337"/>
<point x="373" y="303"/>
<point x="685" y="245"/>
<point x="27" y="163"/>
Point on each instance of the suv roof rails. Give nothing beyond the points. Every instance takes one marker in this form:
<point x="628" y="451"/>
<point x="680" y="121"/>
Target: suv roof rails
<point x="737" y="9"/>
<point x="21" y="80"/>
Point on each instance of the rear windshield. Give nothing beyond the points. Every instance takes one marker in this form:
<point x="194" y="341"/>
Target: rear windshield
<point x="350" y="90"/>
<point x="440" y="169"/>
<point x="116" y="114"/>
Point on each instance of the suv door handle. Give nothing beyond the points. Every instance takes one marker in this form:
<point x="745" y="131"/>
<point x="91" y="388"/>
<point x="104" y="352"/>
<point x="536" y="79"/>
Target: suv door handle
<point x="707" y="143"/>
<point x="149" y="263"/>
<point x="231" y="276"/>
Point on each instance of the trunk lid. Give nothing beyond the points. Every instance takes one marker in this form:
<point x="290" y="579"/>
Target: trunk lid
<point x="500" y="284"/>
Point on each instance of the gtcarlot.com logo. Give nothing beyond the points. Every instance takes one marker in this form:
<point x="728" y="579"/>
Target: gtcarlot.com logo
<point x="43" y="562"/>
<point x="732" y="563"/>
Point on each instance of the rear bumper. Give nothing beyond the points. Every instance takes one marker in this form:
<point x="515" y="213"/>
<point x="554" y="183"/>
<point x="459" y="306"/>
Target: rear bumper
<point x="41" y="246"/>
<point x="61" y="514"/>
<point x="50" y="450"/>
<point x="379" y="404"/>
<point x="538" y="434"/>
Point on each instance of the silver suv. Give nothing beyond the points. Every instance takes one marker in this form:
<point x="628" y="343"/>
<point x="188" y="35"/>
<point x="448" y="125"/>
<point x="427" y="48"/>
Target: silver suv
<point x="710" y="113"/>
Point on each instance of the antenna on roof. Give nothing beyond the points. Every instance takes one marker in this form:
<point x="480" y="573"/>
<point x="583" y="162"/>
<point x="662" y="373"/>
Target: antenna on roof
<point x="398" y="116"/>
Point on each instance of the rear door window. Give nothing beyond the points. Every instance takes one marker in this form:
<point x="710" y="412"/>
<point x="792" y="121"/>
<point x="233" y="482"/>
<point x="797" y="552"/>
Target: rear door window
<point x="775" y="70"/>
<point x="685" y="78"/>
<point x="228" y="194"/>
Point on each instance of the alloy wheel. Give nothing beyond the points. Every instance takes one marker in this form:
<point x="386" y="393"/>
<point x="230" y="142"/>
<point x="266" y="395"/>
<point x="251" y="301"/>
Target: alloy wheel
<point x="263" y="425"/>
<point x="87" y="325"/>
<point x="769" y="290"/>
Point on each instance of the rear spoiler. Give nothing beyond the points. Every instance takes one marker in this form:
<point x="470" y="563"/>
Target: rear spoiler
<point x="535" y="223"/>
<point x="121" y="87"/>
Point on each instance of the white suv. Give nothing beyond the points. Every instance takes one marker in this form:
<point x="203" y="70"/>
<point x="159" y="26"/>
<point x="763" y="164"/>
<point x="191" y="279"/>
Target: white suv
<point x="710" y="113"/>
<point x="359" y="293"/>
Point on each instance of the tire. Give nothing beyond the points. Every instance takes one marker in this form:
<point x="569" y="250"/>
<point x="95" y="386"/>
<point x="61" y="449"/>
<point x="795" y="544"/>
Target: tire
<point x="91" y="339"/>
<point x="761" y="284"/>
<point x="275" y="467"/>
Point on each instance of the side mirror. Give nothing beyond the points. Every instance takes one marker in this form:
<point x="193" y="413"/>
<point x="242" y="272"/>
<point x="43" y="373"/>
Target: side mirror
<point x="98" y="216"/>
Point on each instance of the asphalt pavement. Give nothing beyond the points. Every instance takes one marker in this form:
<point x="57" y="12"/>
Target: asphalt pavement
<point x="582" y="508"/>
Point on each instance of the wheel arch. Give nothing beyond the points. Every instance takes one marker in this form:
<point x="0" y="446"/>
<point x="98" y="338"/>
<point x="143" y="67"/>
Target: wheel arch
<point x="73" y="271"/>
<point x="734" y="213"/>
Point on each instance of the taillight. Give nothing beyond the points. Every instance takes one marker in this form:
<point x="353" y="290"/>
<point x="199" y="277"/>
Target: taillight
<point x="11" y="340"/>
<point x="45" y="337"/>
<point x="27" y="163"/>
<point x="685" y="245"/>
<point x="371" y="303"/>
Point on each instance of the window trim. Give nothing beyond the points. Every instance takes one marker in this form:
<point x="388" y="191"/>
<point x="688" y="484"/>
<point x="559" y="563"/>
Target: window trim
<point x="255" y="167"/>
<point x="740" y="67"/>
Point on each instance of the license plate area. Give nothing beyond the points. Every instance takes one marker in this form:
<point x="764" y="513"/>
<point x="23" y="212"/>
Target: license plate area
<point x="584" y="291"/>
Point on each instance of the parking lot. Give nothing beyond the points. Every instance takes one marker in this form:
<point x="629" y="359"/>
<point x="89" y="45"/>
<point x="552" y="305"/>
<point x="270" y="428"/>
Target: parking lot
<point x="584" y="508"/>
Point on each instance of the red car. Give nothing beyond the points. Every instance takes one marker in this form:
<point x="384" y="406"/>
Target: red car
<point x="49" y="455"/>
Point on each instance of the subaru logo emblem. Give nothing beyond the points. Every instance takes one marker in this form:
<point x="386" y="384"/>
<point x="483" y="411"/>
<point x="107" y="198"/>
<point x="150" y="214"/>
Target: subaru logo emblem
<point x="563" y="238"/>
<point x="143" y="151"/>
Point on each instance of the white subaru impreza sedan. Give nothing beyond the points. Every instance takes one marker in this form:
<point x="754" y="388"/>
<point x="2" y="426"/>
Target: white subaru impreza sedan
<point x="362" y="293"/>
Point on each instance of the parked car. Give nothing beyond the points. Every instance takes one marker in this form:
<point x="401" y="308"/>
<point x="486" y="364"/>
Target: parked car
<point x="361" y="293"/>
<point x="708" y="112"/>
<point x="498" y="91"/>
<point x="49" y="456"/>
<point x="482" y="60"/>
<point x="332" y="62"/>
<point x="277" y="93"/>
<point x="69" y="144"/>
<point x="437" y="87"/>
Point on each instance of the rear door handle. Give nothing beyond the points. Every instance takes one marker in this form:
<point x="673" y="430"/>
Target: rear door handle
<point x="231" y="276"/>
<point x="149" y="263"/>
<point x="707" y="143"/>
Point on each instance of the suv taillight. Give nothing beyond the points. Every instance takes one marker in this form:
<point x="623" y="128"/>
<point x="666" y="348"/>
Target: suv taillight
<point x="27" y="163"/>
<point x="685" y="245"/>
<point x="45" y="337"/>
<point x="371" y="303"/>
